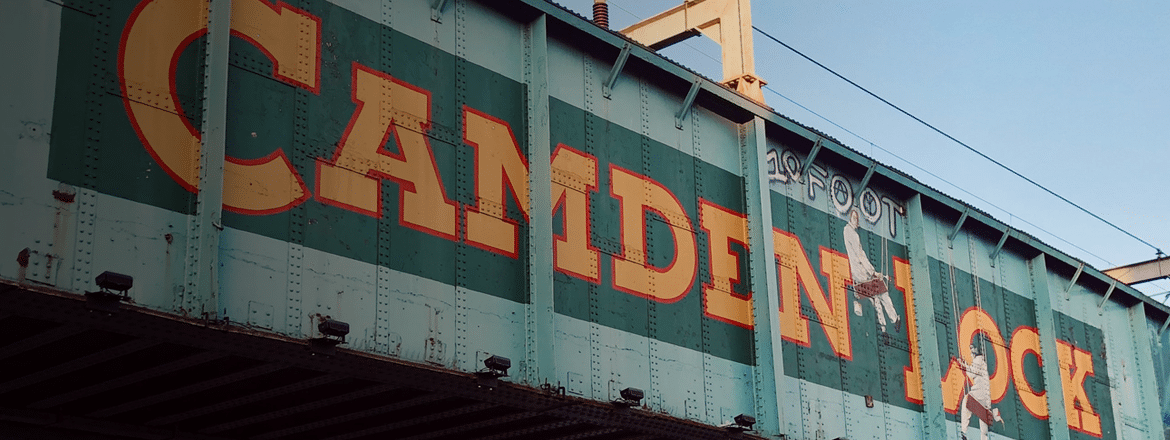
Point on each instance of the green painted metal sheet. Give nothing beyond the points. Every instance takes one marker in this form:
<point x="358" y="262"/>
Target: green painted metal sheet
<point x="460" y="186"/>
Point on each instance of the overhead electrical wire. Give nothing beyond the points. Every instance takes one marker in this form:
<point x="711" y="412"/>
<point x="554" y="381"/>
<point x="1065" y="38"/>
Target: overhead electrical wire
<point x="937" y="130"/>
<point x="936" y="176"/>
<point x="952" y="138"/>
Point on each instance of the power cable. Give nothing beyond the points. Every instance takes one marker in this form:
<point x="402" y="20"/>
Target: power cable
<point x="696" y="49"/>
<point x="936" y="176"/>
<point x="981" y="154"/>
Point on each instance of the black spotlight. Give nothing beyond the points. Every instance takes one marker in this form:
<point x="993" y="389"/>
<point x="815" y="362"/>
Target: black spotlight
<point x="499" y="364"/>
<point x="334" y="332"/>
<point x="106" y="299"/>
<point x="333" y="328"/>
<point x="742" y="422"/>
<point x="495" y="367"/>
<point x="745" y="420"/>
<point x="630" y="397"/>
<point x="115" y="281"/>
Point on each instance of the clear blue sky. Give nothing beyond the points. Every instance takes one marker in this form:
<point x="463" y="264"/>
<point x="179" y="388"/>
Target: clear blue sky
<point x="1072" y="94"/>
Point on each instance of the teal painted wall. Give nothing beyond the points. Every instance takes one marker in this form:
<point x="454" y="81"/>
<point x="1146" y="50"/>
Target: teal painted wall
<point x="83" y="193"/>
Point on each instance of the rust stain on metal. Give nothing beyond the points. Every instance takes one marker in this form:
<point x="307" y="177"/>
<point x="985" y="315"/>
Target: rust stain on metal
<point x="62" y="244"/>
<point x="170" y="239"/>
<point x="64" y="196"/>
<point x="22" y="258"/>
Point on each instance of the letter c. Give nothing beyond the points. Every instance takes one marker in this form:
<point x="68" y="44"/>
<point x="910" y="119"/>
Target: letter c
<point x="155" y="36"/>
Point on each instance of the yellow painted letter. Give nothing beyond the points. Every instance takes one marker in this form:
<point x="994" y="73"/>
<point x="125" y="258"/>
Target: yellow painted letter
<point x="724" y="226"/>
<point x="155" y="34"/>
<point x="632" y="272"/>
<point x="795" y="272"/>
<point x="499" y="167"/>
<point x="912" y="374"/>
<point x="574" y="176"/>
<point x="1027" y="340"/>
<point x="977" y="321"/>
<point x="1075" y="366"/>
<point x="352" y="179"/>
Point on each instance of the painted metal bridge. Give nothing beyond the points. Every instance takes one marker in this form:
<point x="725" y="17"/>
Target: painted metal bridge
<point x="200" y="199"/>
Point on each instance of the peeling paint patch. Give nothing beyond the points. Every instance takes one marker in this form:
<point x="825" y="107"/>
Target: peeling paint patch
<point x="66" y="197"/>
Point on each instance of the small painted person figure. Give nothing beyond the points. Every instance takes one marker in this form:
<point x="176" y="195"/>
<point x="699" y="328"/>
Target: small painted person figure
<point x="863" y="272"/>
<point x="977" y="400"/>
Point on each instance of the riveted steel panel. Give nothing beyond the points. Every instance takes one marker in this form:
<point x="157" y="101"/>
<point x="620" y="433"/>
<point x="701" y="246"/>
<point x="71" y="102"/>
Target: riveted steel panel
<point x="366" y="116"/>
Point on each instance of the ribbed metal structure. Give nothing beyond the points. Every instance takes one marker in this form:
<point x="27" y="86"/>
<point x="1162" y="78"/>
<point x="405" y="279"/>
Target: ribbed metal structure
<point x="456" y="181"/>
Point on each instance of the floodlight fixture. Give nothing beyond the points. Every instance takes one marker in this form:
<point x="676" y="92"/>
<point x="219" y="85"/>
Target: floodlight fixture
<point x="745" y="420"/>
<point x="633" y="394"/>
<point x="495" y="367"/>
<point x="629" y="397"/>
<point x="115" y="281"/>
<point x="105" y="299"/>
<point x="498" y="363"/>
<point x="334" y="332"/>
<point x="335" y="328"/>
<point x="740" y="423"/>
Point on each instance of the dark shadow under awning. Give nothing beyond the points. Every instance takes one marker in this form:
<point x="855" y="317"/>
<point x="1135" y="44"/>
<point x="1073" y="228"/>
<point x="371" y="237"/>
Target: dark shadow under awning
<point x="72" y="372"/>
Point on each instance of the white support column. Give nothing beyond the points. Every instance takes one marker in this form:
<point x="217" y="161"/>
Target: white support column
<point x="728" y="22"/>
<point x="1046" y="326"/>
<point x="933" y="417"/>
<point x="201" y="291"/>
<point x="1146" y="375"/>
<point x="540" y="365"/>
<point x="768" y="377"/>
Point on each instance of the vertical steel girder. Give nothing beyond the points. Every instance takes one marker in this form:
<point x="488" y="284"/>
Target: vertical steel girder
<point x="1143" y="348"/>
<point x="540" y="364"/>
<point x="933" y="418"/>
<point x="201" y="292"/>
<point x="768" y="376"/>
<point x="1046" y="327"/>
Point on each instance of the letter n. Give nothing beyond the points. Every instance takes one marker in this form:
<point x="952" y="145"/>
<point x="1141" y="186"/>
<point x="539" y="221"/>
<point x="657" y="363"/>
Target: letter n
<point x="795" y="273"/>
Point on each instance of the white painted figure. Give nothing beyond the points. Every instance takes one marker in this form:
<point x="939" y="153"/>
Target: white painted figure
<point x="977" y="400"/>
<point x="863" y="271"/>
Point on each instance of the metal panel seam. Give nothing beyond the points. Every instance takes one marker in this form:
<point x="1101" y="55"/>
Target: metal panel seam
<point x="933" y="416"/>
<point x="1045" y="321"/>
<point x="540" y="364"/>
<point x="1148" y="398"/>
<point x="768" y="376"/>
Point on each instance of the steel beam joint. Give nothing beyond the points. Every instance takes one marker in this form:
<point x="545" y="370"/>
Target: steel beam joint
<point x="615" y="72"/>
<point x="687" y="103"/>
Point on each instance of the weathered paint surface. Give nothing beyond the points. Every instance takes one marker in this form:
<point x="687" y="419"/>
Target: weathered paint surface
<point x="379" y="171"/>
